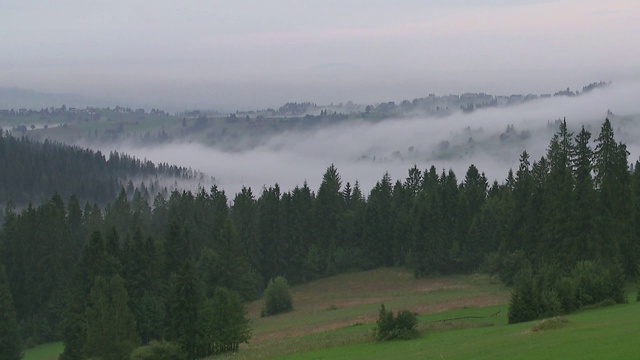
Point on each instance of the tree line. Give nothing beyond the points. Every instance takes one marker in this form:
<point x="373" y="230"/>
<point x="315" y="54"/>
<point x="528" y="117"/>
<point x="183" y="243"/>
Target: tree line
<point x="577" y="205"/>
<point x="32" y="171"/>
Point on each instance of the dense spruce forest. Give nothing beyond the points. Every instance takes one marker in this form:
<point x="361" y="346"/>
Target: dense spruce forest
<point x="561" y="229"/>
<point x="32" y="172"/>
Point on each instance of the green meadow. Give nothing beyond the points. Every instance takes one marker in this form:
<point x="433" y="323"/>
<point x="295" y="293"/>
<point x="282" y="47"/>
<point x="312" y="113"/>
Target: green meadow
<point x="461" y="317"/>
<point x="49" y="351"/>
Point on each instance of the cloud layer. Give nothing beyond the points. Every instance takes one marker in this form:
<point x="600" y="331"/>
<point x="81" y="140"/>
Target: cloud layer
<point x="291" y="158"/>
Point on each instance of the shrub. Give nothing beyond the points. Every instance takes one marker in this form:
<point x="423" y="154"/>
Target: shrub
<point x="277" y="297"/>
<point x="402" y="327"/>
<point x="158" y="350"/>
<point x="523" y="305"/>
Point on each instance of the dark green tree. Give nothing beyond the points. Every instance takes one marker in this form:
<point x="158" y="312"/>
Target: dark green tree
<point x="10" y="348"/>
<point x="378" y="227"/>
<point x="184" y="302"/>
<point x="177" y="248"/>
<point x="243" y="216"/>
<point x="583" y="244"/>
<point x="613" y="185"/>
<point x="273" y="245"/>
<point x="328" y="218"/>
<point x="111" y="328"/>
<point x="93" y="264"/>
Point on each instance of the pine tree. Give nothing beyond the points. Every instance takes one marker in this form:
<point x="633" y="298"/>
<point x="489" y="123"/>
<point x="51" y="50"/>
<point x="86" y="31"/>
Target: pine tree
<point x="9" y="335"/>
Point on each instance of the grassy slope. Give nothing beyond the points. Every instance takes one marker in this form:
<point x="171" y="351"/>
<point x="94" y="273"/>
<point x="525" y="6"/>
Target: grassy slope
<point x="341" y="310"/>
<point x="607" y="333"/>
<point x="334" y="318"/>
<point x="49" y="351"/>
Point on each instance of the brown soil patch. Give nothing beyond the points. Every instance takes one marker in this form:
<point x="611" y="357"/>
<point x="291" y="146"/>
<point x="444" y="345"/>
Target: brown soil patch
<point x="478" y="301"/>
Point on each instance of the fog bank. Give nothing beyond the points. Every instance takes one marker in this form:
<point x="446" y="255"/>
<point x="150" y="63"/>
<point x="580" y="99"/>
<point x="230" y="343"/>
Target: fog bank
<point x="364" y="151"/>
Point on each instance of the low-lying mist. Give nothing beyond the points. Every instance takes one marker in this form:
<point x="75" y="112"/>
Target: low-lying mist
<point x="492" y="139"/>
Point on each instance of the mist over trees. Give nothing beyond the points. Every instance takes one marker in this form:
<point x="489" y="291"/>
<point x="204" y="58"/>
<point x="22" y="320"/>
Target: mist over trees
<point x="32" y="171"/>
<point x="173" y="266"/>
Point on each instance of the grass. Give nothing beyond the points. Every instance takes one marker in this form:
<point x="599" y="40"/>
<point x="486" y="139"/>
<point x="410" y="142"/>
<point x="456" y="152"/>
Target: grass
<point x="461" y="317"/>
<point x="342" y="310"/>
<point x="49" y="351"/>
<point x="605" y="333"/>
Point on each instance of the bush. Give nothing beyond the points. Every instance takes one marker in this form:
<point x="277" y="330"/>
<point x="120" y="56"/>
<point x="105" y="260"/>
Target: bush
<point x="277" y="297"/>
<point x="402" y="327"/>
<point x="523" y="305"/>
<point x="158" y="350"/>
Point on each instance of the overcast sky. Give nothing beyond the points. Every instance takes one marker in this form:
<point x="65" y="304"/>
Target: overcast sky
<point x="248" y="54"/>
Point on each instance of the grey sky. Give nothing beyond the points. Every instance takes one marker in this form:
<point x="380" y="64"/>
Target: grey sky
<point x="262" y="53"/>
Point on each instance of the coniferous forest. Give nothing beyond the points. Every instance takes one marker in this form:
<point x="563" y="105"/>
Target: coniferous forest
<point x="562" y="230"/>
<point x="32" y="171"/>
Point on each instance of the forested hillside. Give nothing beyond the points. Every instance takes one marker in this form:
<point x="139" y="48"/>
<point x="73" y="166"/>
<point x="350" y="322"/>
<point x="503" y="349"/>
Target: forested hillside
<point x="575" y="208"/>
<point x="32" y="171"/>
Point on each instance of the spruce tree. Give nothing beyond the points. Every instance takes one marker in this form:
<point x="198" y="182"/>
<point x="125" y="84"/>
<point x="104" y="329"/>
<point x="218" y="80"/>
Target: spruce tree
<point x="9" y="335"/>
<point x="328" y="217"/>
<point x="613" y="184"/>
<point x="378" y="230"/>
<point x="559" y="186"/>
<point x="243" y="215"/>
<point x="93" y="264"/>
<point x="583" y="243"/>
<point x="111" y="328"/>
<point x="271" y="242"/>
<point x="184" y="302"/>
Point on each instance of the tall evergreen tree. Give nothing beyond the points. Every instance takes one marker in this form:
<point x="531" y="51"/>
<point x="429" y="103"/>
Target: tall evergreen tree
<point x="559" y="187"/>
<point x="93" y="264"/>
<point x="185" y="299"/>
<point x="522" y="222"/>
<point x="583" y="244"/>
<point x="299" y="220"/>
<point x="10" y="348"/>
<point x="612" y="181"/>
<point x="328" y="216"/>
<point x="177" y="248"/>
<point x="378" y="227"/>
<point x="402" y="199"/>
<point x="269" y="224"/>
<point x="111" y="328"/>
<point x="244" y="216"/>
